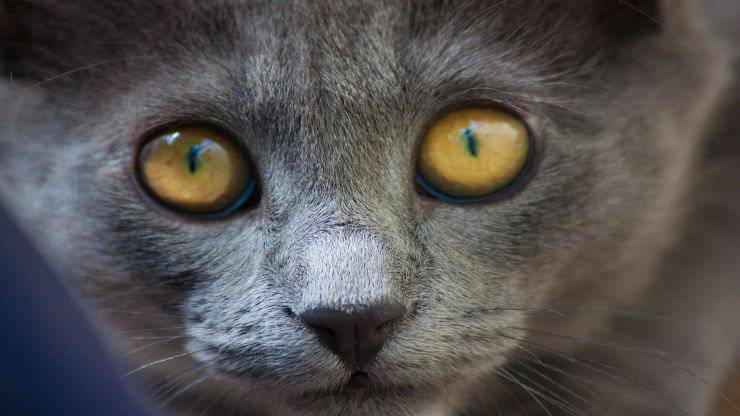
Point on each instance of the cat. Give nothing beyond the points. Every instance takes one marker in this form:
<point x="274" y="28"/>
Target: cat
<point x="604" y="283"/>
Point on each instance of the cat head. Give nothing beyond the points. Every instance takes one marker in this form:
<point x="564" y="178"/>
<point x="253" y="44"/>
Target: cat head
<point x="330" y="104"/>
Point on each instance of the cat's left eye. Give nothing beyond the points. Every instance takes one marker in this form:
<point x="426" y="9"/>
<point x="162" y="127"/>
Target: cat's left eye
<point x="197" y="171"/>
<point x="473" y="154"/>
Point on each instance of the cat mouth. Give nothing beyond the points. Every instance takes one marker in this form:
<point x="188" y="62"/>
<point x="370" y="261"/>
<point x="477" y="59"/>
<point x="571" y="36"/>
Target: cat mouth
<point x="359" y="381"/>
<point x="362" y="385"/>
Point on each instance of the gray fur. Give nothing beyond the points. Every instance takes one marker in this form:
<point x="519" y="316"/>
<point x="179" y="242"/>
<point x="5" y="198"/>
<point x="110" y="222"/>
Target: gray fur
<point x="330" y="100"/>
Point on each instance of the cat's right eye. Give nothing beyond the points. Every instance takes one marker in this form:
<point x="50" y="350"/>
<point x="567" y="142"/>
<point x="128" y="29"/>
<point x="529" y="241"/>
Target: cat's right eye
<point x="197" y="171"/>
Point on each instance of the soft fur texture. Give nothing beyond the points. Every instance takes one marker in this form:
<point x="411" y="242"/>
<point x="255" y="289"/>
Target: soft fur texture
<point x="602" y="286"/>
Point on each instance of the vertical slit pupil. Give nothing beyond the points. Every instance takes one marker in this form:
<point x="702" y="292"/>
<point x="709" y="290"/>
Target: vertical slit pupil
<point x="192" y="157"/>
<point x="471" y="142"/>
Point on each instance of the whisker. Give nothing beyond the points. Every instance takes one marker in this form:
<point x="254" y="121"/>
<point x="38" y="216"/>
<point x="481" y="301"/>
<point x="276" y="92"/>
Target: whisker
<point x="549" y="395"/>
<point x="91" y="66"/>
<point x="188" y="373"/>
<point x="185" y="389"/>
<point x="167" y="388"/>
<point x="584" y="340"/>
<point x="161" y="315"/>
<point x="607" y="371"/>
<point x="577" y="380"/>
<point x="166" y="328"/>
<point x="698" y="329"/>
<point x="637" y="315"/>
<point x="555" y="383"/>
<point x="512" y="395"/>
<point x="163" y="360"/>
<point x="153" y="338"/>
<point x="661" y="24"/>
<point x="164" y="384"/>
<point x="650" y="352"/>
<point x="200" y="398"/>
<point x="213" y="402"/>
<point x="507" y="375"/>
<point x="140" y="348"/>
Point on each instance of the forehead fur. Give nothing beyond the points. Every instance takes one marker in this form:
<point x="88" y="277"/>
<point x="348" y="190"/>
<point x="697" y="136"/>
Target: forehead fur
<point x="46" y="36"/>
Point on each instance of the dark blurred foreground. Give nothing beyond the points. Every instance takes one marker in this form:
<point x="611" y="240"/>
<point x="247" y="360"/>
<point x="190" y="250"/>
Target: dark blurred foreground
<point x="51" y="362"/>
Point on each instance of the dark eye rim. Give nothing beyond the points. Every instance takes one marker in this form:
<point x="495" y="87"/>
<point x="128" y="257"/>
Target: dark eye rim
<point x="512" y="187"/>
<point x="249" y="198"/>
<point x="507" y="189"/>
<point x="238" y="203"/>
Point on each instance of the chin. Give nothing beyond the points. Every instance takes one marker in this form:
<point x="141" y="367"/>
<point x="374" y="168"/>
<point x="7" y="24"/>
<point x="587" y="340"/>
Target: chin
<point x="404" y="401"/>
<point x="359" y="396"/>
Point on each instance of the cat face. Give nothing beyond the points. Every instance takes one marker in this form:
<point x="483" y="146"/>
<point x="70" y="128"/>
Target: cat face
<point x="330" y="104"/>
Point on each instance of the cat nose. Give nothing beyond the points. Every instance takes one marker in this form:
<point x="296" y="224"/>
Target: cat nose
<point x="355" y="336"/>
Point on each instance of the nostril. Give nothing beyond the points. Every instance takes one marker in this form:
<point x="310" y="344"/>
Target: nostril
<point x="286" y="310"/>
<point x="357" y="336"/>
<point x="325" y="335"/>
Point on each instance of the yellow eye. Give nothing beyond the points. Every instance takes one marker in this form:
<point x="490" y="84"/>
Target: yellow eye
<point x="196" y="170"/>
<point x="471" y="153"/>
